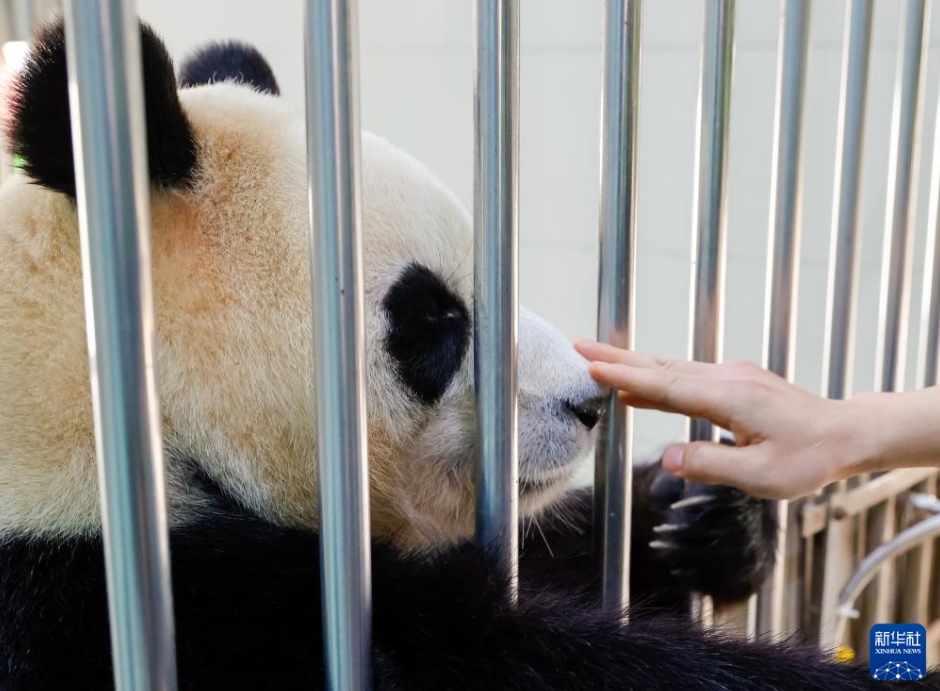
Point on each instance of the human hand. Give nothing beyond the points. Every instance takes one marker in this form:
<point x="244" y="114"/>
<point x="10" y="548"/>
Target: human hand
<point x="789" y="442"/>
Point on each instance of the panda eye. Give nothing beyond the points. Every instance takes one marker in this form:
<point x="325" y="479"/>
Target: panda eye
<point x="429" y="330"/>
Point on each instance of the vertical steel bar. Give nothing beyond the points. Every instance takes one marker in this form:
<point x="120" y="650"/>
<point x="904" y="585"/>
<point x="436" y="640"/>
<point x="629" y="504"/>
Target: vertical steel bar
<point x="708" y="225"/>
<point x="708" y="240"/>
<point x="332" y="74"/>
<point x="902" y="176"/>
<point x="496" y="156"/>
<point x="896" y="267"/>
<point x="109" y="135"/>
<point x="783" y="271"/>
<point x="842" y="293"/>
<point x="918" y="608"/>
<point x="929" y="346"/>
<point x="613" y="470"/>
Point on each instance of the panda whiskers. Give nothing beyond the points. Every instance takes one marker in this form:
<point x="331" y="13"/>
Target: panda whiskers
<point x="459" y="266"/>
<point x="567" y="517"/>
<point x="527" y="522"/>
<point x="544" y="539"/>
<point x="570" y="522"/>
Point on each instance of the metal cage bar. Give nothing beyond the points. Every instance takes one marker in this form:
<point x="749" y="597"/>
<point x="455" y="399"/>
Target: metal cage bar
<point x="783" y="274"/>
<point x="495" y="284"/>
<point x="920" y="581"/>
<point x="929" y="346"/>
<point x="896" y="267"/>
<point x="613" y="469"/>
<point x="710" y="217"/>
<point x="842" y="293"/>
<point x="902" y="182"/>
<point x="332" y="73"/>
<point x="110" y="146"/>
<point x="708" y="240"/>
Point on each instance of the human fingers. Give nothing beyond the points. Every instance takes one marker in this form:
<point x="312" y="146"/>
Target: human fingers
<point x="718" y="464"/>
<point x="632" y="401"/>
<point x="763" y="471"/>
<point x="604" y="352"/>
<point x="669" y="390"/>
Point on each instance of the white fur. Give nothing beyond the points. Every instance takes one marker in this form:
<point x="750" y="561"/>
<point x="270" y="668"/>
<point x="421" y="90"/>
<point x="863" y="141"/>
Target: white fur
<point x="234" y="365"/>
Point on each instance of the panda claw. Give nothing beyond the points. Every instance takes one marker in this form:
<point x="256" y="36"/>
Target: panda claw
<point x="692" y="501"/>
<point x="667" y="528"/>
<point x="661" y="544"/>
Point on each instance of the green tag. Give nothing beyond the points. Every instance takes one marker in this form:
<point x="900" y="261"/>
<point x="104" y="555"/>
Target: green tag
<point x="19" y="161"/>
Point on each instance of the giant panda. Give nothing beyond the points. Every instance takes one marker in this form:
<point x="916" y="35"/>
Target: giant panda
<point x="234" y="365"/>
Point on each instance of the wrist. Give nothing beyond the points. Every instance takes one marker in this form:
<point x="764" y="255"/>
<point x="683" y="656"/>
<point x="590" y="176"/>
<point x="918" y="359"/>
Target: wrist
<point x="866" y="430"/>
<point x="896" y="430"/>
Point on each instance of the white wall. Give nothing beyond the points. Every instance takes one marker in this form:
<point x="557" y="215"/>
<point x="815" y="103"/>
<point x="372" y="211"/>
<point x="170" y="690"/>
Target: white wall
<point x="416" y="91"/>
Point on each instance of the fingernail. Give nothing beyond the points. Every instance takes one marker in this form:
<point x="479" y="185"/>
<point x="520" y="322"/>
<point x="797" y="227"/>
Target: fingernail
<point x="672" y="459"/>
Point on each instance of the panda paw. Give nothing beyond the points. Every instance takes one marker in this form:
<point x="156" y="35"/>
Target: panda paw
<point x="712" y="539"/>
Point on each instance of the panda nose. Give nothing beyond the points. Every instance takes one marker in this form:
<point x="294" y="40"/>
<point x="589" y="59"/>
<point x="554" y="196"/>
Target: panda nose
<point x="587" y="411"/>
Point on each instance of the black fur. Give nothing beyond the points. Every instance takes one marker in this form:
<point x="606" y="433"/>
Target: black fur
<point x="229" y="60"/>
<point x="40" y="129"/>
<point x="428" y="332"/>
<point x="247" y="605"/>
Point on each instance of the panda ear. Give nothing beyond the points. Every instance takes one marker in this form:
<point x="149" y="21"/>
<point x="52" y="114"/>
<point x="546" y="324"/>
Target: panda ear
<point x="40" y="131"/>
<point x="229" y="61"/>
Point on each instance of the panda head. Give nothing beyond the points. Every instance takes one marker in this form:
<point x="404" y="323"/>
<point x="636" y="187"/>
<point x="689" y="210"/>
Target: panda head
<point x="231" y="271"/>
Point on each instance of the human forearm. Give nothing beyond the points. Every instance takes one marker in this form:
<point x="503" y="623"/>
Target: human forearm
<point x="893" y="430"/>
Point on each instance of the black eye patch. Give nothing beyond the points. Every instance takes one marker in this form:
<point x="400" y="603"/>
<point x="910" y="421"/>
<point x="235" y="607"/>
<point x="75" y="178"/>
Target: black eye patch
<point x="429" y="329"/>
